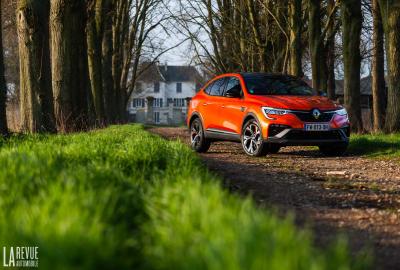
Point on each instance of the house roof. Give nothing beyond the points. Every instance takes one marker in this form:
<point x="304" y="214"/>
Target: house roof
<point x="156" y="72"/>
<point x="179" y="73"/>
<point x="149" y="72"/>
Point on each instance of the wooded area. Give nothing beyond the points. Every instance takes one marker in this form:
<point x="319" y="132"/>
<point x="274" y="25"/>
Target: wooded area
<point x="79" y="60"/>
<point x="298" y="37"/>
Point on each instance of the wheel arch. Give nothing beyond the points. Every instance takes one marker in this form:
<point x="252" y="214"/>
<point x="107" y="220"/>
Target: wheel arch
<point x="248" y="117"/>
<point x="194" y="116"/>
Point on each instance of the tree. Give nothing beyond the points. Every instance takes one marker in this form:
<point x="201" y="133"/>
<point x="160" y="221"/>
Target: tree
<point x="352" y="23"/>
<point x="107" y="56"/>
<point x="37" y="113"/>
<point x="10" y="48"/>
<point x="244" y="35"/>
<point x="331" y="30"/>
<point x="120" y="34"/>
<point x="72" y="99"/>
<point x="134" y="23"/>
<point x="296" y="53"/>
<point x="391" y="23"/>
<point x="316" y="49"/>
<point x="378" y="69"/>
<point x="3" y="85"/>
<point x="95" y="28"/>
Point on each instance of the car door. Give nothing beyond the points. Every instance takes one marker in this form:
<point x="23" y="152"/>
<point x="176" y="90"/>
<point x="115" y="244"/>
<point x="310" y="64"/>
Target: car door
<point x="232" y="109"/>
<point x="211" y="107"/>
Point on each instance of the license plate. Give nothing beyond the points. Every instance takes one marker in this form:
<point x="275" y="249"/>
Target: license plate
<point x="317" y="127"/>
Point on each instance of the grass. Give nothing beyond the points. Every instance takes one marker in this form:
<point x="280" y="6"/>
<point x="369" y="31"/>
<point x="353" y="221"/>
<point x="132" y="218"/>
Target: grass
<point x="121" y="198"/>
<point x="377" y="145"/>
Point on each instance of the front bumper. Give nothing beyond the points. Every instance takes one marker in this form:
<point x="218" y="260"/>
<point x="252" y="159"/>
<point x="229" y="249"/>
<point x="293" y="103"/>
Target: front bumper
<point x="293" y="137"/>
<point x="289" y="130"/>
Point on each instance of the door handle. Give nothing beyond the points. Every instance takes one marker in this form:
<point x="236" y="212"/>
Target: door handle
<point x="223" y="106"/>
<point x="205" y="104"/>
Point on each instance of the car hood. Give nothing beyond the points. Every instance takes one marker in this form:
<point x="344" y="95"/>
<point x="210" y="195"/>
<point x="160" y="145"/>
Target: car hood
<point x="296" y="102"/>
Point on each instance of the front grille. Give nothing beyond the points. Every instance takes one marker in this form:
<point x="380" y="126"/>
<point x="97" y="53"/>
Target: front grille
<point x="314" y="135"/>
<point x="274" y="129"/>
<point x="308" y="117"/>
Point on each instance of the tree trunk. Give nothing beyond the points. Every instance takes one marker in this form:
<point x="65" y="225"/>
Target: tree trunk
<point x="391" y="24"/>
<point x="94" y="43"/>
<point x="330" y="55"/>
<point x="107" y="47"/>
<point x="316" y="50"/>
<point x="69" y="64"/>
<point x="36" y="97"/>
<point x="120" y="33"/>
<point x="117" y="57"/>
<point x="378" y="69"/>
<point x="296" y="53"/>
<point x="352" y="23"/>
<point x="3" y="85"/>
<point x="330" y="64"/>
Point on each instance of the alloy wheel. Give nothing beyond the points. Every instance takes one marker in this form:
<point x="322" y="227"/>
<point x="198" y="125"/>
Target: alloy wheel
<point x="252" y="139"/>
<point x="196" y="134"/>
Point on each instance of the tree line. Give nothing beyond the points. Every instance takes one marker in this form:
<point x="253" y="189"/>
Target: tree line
<point x="78" y="60"/>
<point x="304" y="36"/>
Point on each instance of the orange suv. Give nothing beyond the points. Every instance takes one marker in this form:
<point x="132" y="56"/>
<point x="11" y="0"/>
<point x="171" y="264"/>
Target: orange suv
<point x="266" y="112"/>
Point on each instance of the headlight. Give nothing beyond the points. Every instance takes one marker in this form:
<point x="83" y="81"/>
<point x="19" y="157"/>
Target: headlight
<point x="268" y="112"/>
<point x="342" y="112"/>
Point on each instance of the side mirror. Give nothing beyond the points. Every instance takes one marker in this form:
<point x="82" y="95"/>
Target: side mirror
<point x="235" y="92"/>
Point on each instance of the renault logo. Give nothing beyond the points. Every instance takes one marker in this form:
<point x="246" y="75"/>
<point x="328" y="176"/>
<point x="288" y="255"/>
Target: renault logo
<point x="316" y="113"/>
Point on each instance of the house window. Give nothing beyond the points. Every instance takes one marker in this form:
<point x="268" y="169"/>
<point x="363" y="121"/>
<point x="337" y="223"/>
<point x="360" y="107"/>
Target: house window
<point x="158" y="103"/>
<point x="179" y="87"/>
<point x="156" y="87"/>
<point x="137" y="102"/>
<point x="157" y="117"/>
<point x="179" y="102"/>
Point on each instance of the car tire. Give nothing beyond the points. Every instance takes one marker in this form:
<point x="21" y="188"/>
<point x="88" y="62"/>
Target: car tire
<point x="337" y="149"/>
<point x="198" y="141"/>
<point x="252" y="139"/>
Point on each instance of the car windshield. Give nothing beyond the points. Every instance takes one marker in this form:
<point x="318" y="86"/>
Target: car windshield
<point x="277" y="85"/>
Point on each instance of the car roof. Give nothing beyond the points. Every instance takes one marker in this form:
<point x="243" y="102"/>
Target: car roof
<point x="265" y="74"/>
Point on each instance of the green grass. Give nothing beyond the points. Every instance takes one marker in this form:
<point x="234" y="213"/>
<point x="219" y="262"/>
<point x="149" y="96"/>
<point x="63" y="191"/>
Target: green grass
<point x="378" y="145"/>
<point x="121" y="198"/>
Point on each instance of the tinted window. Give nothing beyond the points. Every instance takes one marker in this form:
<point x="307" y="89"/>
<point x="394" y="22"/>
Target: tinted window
<point x="277" y="85"/>
<point x="232" y="83"/>
<point x="218" y="87"/>
<point x="208" y="89"/>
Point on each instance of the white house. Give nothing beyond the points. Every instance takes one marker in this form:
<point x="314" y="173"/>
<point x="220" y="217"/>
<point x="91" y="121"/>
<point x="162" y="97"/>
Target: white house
<point x="162" y="94"/>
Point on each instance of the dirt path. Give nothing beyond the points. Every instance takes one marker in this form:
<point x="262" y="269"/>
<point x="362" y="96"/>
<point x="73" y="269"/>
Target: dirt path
<point x="353" y="195"/>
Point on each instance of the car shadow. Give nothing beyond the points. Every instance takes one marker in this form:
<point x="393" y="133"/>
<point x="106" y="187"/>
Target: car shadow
<point x="357" y="148"/>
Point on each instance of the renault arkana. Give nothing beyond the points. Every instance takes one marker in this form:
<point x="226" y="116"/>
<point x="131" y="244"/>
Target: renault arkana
<point x="265" y="112"/>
